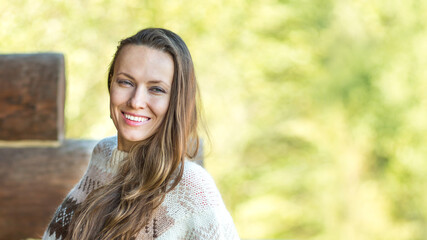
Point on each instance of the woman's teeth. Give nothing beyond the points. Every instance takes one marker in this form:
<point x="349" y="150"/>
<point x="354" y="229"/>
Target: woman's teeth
<point x="136" y="119"/>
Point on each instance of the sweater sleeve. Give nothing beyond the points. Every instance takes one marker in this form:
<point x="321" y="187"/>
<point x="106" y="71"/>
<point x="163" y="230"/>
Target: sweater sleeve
<point x="214" y="223"/>
<point x="96" y="175"/>
<point x="210" y="219"/>
<point x="197" y="208"/>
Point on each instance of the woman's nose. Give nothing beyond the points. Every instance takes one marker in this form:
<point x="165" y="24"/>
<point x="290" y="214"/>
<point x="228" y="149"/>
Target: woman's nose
<point x="138" y="99"/>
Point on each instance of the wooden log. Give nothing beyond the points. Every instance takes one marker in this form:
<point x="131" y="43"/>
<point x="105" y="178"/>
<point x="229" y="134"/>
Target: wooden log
<point x="34" y="181"/>
<point x="32" y="90"/>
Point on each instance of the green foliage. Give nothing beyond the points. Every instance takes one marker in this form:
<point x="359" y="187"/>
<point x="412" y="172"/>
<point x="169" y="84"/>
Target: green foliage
<point x="317" y="109"/>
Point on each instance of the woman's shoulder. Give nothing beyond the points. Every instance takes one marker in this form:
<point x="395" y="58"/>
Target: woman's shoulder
<point x="195" y="172"/>
<point x="106" y="144"/>
<point x="197" y="187"/>
<point x="196" y="207"/>
<point x="103" y="151"/>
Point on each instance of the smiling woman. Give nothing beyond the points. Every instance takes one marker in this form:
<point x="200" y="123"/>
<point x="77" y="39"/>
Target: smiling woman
<point x="140" y="183"/>
<point x="139" y="93"/>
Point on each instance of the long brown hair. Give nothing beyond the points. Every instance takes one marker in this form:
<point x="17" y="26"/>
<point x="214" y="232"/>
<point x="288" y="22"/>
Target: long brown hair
<point x="154" y="166"/>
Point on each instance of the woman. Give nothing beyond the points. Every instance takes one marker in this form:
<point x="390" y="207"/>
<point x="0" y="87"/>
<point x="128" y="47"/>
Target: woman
<point x="139" y="184"/>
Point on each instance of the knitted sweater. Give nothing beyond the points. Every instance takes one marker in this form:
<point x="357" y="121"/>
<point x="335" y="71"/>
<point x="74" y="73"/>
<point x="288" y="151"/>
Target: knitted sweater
<point x="192" y="210"/>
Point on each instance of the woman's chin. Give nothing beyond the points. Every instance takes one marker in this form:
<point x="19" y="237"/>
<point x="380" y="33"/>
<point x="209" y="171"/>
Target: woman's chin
<point x="129" y="140"/>
<point x="133" y="140"/>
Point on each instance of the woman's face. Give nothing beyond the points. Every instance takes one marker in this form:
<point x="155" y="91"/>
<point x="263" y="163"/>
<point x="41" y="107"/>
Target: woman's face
<point x="139" y="93"/>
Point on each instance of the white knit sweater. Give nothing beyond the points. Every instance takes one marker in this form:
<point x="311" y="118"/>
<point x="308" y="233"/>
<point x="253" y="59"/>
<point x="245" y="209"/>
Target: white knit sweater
<point x="192" y="210"/>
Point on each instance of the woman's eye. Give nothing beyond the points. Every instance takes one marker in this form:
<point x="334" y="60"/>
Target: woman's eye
<point x="158" y="90"/>
<point x="125" y="82"/>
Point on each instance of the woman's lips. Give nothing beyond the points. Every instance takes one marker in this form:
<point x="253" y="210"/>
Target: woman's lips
<point x="134" y="120"/>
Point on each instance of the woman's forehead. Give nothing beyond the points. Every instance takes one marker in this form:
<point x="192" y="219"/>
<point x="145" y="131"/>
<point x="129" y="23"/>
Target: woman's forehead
<point x="141" y="61"/>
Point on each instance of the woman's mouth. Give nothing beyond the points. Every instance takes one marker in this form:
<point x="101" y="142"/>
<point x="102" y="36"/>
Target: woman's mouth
<point x="134" y="120"/>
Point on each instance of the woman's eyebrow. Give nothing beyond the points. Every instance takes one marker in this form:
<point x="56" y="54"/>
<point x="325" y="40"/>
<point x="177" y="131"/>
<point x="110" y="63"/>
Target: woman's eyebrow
<point x="151" y="81"/>
<point x="160" y="82"/>
<point x="157" y="81"/>
<point x="127" y="75"/>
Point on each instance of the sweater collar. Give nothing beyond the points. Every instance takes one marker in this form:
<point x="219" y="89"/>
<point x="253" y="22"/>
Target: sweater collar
<point x="117" y="157"/>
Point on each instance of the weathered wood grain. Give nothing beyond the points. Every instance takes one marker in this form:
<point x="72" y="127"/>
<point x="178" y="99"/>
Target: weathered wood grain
<point x="34" y="181"/>
<point x="32" y="88"/>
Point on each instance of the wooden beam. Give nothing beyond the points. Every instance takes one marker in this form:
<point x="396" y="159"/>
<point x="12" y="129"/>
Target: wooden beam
<point x="34" y="181"/>
<point x="32" y="92"/>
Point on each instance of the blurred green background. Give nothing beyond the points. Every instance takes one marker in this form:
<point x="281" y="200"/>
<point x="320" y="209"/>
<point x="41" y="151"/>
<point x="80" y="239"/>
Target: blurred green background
<point x="316" y="108"/>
